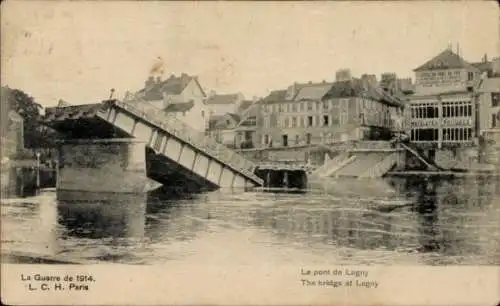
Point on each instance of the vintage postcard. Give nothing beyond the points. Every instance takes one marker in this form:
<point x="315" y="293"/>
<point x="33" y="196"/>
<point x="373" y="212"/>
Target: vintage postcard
<point x="250" y="153"/>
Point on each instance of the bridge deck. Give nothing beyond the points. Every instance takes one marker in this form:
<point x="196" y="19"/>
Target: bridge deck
<point x="176" y="145"/>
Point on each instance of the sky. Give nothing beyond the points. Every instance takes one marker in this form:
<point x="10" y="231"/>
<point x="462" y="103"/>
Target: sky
<point x="78" y="51"/>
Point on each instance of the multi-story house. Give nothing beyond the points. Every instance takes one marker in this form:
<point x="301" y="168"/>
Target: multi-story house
<point x="238" y="130"/>
<point x="442" y="114"/>
<point x="219" y="104"/>
<point x="347" y="109"/>
<point x="182" y="97"/>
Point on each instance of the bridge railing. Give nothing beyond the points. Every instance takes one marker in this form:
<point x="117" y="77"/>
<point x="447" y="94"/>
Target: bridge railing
<point x="196" y="138"/>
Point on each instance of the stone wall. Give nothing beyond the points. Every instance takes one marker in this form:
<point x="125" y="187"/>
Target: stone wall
<point x="102" y="166"/>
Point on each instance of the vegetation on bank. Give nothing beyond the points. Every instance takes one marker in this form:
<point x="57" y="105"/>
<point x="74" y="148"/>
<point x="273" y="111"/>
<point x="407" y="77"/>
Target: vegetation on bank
<point x="36" y="137"/>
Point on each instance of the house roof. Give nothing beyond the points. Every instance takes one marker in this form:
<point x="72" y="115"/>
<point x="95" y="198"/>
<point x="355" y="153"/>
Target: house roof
<point x="172" y="86"/>
<point x="235" y="117"/>
<point x="445" y="60"/>
<point x="275" y="96"/>
<point x="485" y="66"/>
<point x="179" y="107"/>
<point x="358" y="88"/>
<point x="222" y="99"/>
<point x="221" y="121"/>
<point x="312" y="91"/>
<point x="244" y="105"/>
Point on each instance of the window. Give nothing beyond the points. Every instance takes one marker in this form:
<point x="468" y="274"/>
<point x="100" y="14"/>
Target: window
<point x="309" y="121"/>
<point x="470" y="76"/>
<point x="266" y="139"/>
<point x="495" y="99"/>
<point x="285" y="140"/>
<point x="286" y="122"/>
<point x="297" y="139"/>
<point x="294" y="107"/>
<point x="325" y="120"/>
<point x="308" y="138"/>
<point x="309" y="105"/>
<point x="325" y="105"/>
<point x="252" y="120"/>
<point x="493" y="120"/>
<point x="294" y="121"/>
<point x="203" y="114"/>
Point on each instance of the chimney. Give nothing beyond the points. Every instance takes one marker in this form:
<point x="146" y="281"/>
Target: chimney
<point x="324" y="81"/>
<point x="485" y="58"/>
<point x="158" y="79"/>
<point x="343" y="75"/>
<point x="149" y="82"/>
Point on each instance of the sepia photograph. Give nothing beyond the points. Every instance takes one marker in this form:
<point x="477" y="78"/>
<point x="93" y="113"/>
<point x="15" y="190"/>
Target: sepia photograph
<point x="351" y="142"/>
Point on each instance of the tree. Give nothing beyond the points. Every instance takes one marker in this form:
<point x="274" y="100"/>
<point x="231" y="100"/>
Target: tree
<point x="36" y="135"/>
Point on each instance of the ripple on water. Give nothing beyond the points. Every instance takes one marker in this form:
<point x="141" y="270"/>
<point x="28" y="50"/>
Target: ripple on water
<point x="344" y="222"/>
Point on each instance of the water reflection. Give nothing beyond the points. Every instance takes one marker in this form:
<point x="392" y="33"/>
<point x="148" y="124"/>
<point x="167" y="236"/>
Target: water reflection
<point x="413" y="220"/>
<point x="102" y="215"/>
<point x="428" y="216"/>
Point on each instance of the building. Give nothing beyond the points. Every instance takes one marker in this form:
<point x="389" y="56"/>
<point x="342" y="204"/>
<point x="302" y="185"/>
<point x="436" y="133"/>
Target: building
<point x="488" y="95"/>
<point x="219" y="104"/>
<point x="180" y="96"/>
<point x="313" y="113"/>
<point x="248" y="132"/>
<point x="222" y="128"/>
<point x="237" y="130"/>
<point x="442" y="115"/>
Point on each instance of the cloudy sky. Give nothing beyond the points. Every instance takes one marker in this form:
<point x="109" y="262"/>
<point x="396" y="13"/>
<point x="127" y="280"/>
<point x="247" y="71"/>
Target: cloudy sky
<point x="78" y="51"/>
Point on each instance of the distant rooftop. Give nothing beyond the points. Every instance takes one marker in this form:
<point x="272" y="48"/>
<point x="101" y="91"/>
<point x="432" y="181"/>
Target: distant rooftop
<point x="179" y="107"/>
<point x="174" y="85"/>
<point x="445" y="60"/>
<point x="218" y="99"/>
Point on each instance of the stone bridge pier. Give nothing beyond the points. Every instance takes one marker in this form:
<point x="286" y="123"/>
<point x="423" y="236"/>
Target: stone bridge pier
<point x="102" y="165"/>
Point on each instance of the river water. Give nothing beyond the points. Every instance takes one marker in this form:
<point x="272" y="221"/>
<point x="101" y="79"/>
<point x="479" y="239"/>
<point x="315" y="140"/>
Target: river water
<point x="415" y="221"/>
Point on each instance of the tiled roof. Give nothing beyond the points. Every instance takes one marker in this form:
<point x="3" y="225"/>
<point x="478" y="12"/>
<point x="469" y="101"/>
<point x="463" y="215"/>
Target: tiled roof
<point x="179" y="107"/>
<point x="275" y="96"/>
<point x="312" y="91"/>
<point x="485" y="66"/>
<point x="173" y="86"/>
<point x="355" y="88"/>
<point x="445" y="60"/>
<point x="222" y="99"/>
